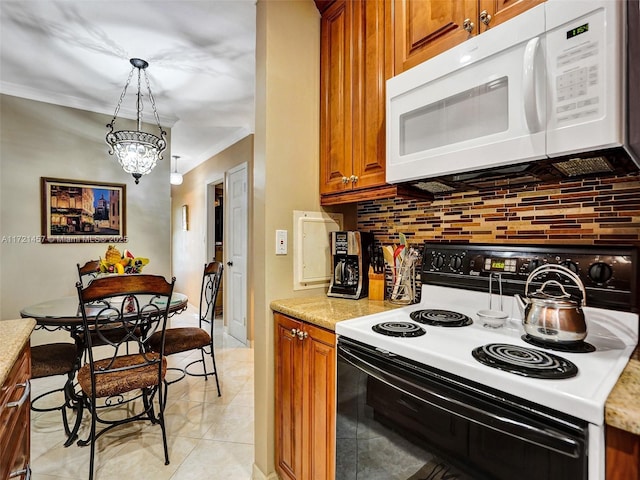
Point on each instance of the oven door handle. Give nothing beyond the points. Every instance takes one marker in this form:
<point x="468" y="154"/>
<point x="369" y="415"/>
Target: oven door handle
<point x="548" y="437"/>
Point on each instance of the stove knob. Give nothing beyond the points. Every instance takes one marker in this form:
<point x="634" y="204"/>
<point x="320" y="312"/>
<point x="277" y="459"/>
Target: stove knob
<point x="600" y="273"/>
<point x="456" y="262"/>
<point x="438" y="261"/>
<point x="534" y="263"/>
<point x="573" y="266"/>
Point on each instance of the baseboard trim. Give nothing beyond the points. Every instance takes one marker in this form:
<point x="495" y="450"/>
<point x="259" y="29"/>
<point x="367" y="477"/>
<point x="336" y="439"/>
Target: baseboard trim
<point x="258" y="475"/>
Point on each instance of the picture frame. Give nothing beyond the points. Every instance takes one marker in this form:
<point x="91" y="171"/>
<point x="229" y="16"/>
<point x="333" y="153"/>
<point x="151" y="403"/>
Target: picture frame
<point x="81" y="211"/>
<point x="185" y="217"/>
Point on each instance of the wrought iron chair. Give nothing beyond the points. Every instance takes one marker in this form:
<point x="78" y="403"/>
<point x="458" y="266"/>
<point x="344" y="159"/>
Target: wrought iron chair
<point x="136" y="306"/>
<point x="56" y="359"/>
<point x="183" y="339"/>
<point x="89" y="270"/>
<point x="87" y="273"/>
<point x="62" y="358"/>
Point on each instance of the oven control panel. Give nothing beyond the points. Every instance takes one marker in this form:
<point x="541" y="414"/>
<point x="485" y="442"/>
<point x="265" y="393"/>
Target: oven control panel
<point x="609" y="274"/>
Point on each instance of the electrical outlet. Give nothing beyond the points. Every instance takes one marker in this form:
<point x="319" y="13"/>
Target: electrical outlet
<point x="281" y="242"/>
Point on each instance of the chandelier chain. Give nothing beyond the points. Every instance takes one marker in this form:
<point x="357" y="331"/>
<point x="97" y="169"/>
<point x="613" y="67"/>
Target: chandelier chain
<point x="122" y="95"/>
<point x="153" y="102"/>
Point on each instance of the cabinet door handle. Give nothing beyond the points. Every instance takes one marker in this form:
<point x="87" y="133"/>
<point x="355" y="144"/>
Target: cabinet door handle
<point x="345" y="180"/>
<point x="294" y="332"/>
<point x="353" y="178"/>
<point x="27" y="390"/>
<point x="485" y="17"/>
<point x="302" y="335"/>
<point x="468" y="25"/>
<point x="18" y="473"/>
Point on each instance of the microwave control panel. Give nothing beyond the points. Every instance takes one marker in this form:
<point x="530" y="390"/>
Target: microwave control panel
<point x="576" y="51"/>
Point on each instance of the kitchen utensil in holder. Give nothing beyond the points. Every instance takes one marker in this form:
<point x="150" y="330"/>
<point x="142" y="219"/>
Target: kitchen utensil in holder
<point x="401" y="287"/>
<point x="493" y="318"/>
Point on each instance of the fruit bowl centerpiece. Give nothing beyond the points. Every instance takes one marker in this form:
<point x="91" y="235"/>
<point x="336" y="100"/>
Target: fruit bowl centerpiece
<point x="121" y="263"/>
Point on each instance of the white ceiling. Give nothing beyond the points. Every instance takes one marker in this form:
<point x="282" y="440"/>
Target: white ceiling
<point x="201" y="58"/>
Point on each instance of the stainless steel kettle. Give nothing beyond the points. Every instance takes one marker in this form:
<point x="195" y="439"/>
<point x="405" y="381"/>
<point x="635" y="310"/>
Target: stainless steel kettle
<point x="553" y="318"/>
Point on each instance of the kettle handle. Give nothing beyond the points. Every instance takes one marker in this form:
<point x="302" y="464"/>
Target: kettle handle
<point x="561" y="270"/>
<point x="556" y="283"/>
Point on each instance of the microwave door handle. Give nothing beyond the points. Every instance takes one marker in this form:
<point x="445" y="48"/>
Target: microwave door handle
<point x="529" y="80"/>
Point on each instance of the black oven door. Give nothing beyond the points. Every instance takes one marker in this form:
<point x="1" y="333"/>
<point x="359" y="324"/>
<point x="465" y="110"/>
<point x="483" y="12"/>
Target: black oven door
<point x="397" y="419"/>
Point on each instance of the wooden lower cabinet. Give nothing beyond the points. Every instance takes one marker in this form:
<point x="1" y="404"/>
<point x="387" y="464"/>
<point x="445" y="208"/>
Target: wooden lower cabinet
<point x="15" y="419"/>
<point x="304" y="400"/>
<point x="623" y="455"/>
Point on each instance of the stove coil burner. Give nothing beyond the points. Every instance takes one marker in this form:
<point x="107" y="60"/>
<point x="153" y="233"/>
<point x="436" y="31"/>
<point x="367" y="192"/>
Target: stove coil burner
<point x="524" y="361"/>
<point x="569" y="347"/>
<point x="441" y="318"/>
<point x="399" y="329"/>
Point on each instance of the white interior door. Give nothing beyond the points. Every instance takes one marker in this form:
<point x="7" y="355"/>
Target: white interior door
<point x="236" y="252"/>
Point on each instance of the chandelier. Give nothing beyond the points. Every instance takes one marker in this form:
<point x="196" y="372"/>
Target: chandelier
<point x="175" y="178"/>
<point x="137" y="151"/>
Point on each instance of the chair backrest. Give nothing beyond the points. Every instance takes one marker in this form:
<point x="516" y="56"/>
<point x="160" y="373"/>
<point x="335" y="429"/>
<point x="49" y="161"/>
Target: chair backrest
<point x="125" y="309"/>
<point x="211" y="279"/>
<point x="88" y="271"/>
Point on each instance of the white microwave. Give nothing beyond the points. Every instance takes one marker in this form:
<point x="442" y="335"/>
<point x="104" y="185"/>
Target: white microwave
<point x="550" y="83"/>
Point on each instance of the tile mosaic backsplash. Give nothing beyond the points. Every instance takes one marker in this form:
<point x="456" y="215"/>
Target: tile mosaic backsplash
<point x="587" y="211"/>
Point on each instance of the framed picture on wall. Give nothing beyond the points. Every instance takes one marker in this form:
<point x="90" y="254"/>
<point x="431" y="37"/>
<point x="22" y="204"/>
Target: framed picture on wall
<point x="78" y="211"/>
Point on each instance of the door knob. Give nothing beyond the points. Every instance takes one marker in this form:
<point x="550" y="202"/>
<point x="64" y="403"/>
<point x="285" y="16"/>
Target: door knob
<point x="230" y="263"/>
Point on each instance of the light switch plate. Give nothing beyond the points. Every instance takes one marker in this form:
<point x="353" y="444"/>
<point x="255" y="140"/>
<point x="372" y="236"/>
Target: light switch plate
<point x="281" y="242"/>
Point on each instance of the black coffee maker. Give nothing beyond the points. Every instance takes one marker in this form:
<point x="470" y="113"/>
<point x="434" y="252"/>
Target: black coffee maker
<point x="350" y="262"/>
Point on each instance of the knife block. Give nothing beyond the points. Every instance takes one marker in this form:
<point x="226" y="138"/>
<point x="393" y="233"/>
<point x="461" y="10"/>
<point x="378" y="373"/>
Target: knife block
<point x="376" y="285"/>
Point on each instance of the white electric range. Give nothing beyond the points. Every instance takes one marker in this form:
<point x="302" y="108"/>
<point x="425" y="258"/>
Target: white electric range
<point x="573" y="379"/>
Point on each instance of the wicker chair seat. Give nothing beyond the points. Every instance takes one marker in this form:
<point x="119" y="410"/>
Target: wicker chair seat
<point x="181" y="339"/>
<point x="115" y="383"/>
<point x="53" y="359"/>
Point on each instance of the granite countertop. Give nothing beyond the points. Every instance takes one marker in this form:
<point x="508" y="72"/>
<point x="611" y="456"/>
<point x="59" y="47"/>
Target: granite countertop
<point x="327" y="311"/>
<point x="13" y="336"/>
<point x="622" y="409"/>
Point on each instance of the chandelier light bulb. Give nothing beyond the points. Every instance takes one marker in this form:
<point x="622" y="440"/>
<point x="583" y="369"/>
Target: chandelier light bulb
<point x="175" y="178"/>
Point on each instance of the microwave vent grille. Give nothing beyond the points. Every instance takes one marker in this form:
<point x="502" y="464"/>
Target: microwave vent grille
<point x="434" y="187"/>
<point x="584" y="166"/>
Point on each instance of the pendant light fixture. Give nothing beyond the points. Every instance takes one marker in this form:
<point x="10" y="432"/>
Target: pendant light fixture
<point x="176" y="178"/>
<point x="137" y="151"/>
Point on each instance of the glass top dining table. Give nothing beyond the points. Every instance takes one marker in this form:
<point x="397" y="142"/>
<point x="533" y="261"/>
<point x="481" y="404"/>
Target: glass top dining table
<point x="65" y="311"/>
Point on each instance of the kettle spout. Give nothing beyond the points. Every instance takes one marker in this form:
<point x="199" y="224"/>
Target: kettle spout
<point x="522" y="303"/>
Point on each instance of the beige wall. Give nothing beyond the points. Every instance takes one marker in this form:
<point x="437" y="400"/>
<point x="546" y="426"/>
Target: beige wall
<point x="285" y="179"/>
<point x="189" y="249"/>
<point x="43" y="140"/>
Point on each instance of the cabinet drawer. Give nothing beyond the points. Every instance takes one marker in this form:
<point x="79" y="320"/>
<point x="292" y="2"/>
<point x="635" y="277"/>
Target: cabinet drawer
<point x="15" y="420"/>
<point x="15" y="455"/>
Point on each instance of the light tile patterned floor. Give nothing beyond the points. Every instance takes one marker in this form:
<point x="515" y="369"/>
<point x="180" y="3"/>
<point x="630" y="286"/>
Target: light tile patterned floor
<point x="209" y="436"/>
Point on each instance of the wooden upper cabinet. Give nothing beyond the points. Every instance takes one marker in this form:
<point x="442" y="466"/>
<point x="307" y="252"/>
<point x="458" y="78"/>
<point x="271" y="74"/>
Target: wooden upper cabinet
<point x="374" y="68"/>
<point x="335" y="96"/>
<point x="354" y="66"/>
<point x="500" y="11"/>
<point x="423" y="29"/>
<point x="426" y="28"/>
